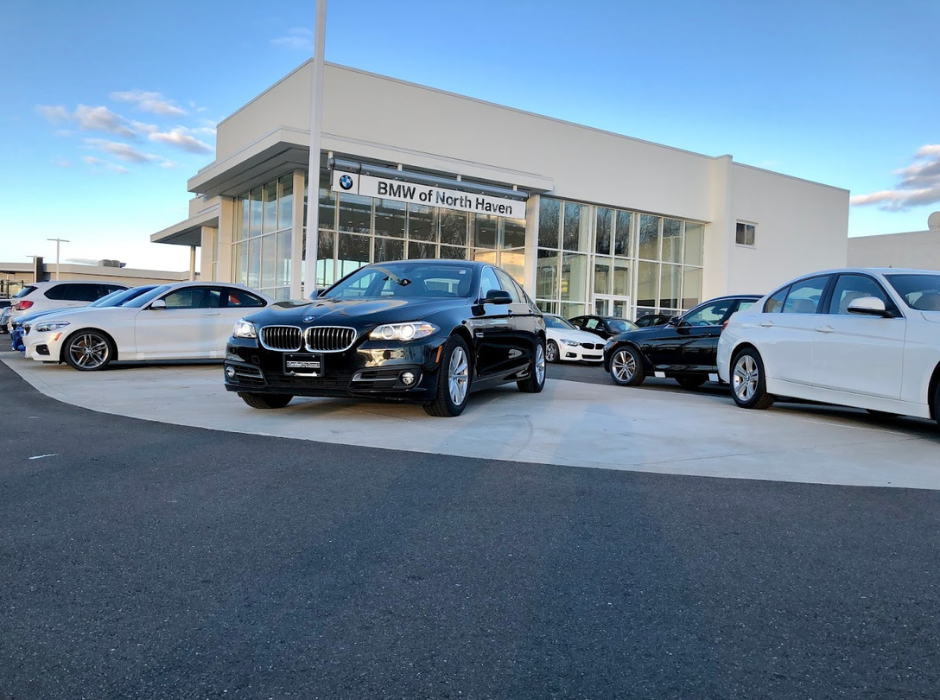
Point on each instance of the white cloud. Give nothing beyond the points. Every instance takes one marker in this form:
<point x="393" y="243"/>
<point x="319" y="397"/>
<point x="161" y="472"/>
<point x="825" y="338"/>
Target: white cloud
<point x="61" y="162"/>
<point x="297" y="39"/>
<point x="180" y="138"/>
<point x="56" y="114"/>
<point x="102" y="119"/>
<point x="919" y="185"/>
<point x="153" y="102"/>
<point x="97" y="162"/>
<point x="124" y="151"/>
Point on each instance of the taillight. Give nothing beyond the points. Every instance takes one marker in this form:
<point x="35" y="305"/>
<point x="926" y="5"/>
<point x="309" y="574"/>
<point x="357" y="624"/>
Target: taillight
<point x="23" y="305"/>
<point x="725" y="324"/>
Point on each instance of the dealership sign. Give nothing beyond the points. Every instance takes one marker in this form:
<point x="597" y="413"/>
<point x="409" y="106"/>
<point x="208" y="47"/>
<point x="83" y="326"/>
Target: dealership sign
<point x="426" y="194"/>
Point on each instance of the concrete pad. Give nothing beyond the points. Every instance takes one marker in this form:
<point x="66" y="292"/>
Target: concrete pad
<point x="646" y="429"/>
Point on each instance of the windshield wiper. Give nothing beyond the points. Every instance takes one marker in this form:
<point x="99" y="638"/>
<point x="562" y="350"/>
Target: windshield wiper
<point x="400" y="281"/>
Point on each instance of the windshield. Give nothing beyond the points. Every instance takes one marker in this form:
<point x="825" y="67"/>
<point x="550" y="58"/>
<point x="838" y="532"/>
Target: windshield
<point x="618" y="325"/>
<point x="121" y="296"/>
<point x="921" y="292"/>
<point x="146" y="298"/>
<point x="404" y="280"/>
<point x="24" y="291"/>
<point x="559" y="322"/>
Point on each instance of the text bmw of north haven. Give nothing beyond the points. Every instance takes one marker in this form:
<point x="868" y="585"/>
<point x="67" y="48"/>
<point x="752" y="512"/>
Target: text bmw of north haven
<point x="431" y="196"/>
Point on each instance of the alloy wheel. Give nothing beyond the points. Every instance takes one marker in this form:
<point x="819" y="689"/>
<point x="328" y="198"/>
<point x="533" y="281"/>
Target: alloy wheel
<point x="458" y="376"/>
<point x="623" y="365"/>
<point x="89" y="351"/>
<point x="539" y="363"/>
<point x="745" y="378"/>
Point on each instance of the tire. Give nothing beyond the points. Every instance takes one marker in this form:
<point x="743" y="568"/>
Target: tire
<point x="535" y="382"/>
<point x="552" y="353"/>
<point x="626" y="366"/>
<point x="748" y="385"/>
<point x="691" y="383"/>
<point x="266" y="401"/>
<point x="454" y="376"/>
<point x="88" y="351"/>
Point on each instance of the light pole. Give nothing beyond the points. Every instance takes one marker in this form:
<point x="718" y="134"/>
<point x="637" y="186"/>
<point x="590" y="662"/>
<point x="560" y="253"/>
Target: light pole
<point x="58" y="242"/>
<point x="313" y="169"/>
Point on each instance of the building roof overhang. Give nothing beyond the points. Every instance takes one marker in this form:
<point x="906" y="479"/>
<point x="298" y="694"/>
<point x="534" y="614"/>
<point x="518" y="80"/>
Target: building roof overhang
<point x="188" y="232"/>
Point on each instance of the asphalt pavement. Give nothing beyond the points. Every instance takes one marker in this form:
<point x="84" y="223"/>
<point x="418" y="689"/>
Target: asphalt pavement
<point x="146" y="560"/>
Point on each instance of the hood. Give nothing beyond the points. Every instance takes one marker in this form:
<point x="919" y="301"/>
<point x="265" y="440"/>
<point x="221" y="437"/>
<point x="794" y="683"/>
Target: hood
<point x="353" y="312"/>
<point x="573" y="335"/>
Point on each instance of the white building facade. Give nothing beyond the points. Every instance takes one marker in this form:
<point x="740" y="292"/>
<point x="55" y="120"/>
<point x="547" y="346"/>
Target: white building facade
<point x="587" y="220"/>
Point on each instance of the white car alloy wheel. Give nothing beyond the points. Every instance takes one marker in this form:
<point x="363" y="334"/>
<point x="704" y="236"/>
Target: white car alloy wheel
<point x="458" y="376"/>
<point x="88" y="351"/>
<point x="744" y="380"/>
<point x="552" y="354"/>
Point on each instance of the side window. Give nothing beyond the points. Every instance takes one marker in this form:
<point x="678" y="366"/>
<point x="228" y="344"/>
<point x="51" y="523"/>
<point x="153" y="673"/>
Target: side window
<point x="774" y="304"/>
<point x="239" y="297"/>
<point x="194" y="298"/>
<point x="75" y="292"/>
<point x="577" y="322"/>
<point x="488" y="281"/>
<point x="804" y="296"/>
<point x="744" y="305"/>
<point x="109" y="289"/>
<point x="711" y="315"/>
<point x="851" y="287"/>
<point x="59" y="292"/>
<point x="521" y="291"/>
<point x="510" y="286"/>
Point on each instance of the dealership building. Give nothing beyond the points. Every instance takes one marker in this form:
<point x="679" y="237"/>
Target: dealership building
<point x="585" y="219"/>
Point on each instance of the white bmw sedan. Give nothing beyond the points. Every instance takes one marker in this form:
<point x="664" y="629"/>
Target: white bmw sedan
<point x="565" y="342"/>
<point x="868" y="338"/>
<point x="184" y="321"/>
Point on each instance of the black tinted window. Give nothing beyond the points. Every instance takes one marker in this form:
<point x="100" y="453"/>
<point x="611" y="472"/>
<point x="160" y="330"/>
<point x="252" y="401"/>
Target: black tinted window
<point x="774" y="305"/>
<point x="194" y="298"/>
<point x="804" y="296"/>
<point x="920" y="292"/>
<point x="239" y="297"/>
<point x="24" y="291"/>
<point x="510" y="286"/>
<point x="74" y="292"/>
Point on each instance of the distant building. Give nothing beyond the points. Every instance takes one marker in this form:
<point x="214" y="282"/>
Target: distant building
<point x="13" y="276"/>
<point x="914" y="249"/>
<point x="585" y="219"/>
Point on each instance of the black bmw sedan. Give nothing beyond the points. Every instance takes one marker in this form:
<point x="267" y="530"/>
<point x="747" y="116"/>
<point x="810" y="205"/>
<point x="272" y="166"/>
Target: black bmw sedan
<point x="424" y="331"/>
<point x="684" y="348"/>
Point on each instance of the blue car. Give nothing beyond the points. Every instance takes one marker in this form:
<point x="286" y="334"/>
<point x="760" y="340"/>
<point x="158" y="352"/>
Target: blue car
<point x="20" y="327"/>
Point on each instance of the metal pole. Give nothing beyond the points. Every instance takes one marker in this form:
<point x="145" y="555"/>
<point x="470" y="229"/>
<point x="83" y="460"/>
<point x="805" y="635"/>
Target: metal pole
<point x="313" y="171"/>
<point x="58" y="241"/>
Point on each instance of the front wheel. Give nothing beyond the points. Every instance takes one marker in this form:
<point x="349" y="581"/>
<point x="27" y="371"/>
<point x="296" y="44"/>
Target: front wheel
<point x="535" y="382"/>
<point x="748" y="383"/>
<point x="266" y="401"/>
<point x="626" y="366"/>
<point x="551" y="352"/>
<point x="453" y="380"/>
<point x="89" y="351"/>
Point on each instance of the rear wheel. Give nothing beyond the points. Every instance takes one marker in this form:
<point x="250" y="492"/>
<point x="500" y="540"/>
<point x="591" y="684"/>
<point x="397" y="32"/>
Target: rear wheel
<point x="453" y="380"/>
<point x="535" y="382"/>
<point x="266" y="401"/>
<point x="626" y="366"/>
<point x="88" y="351"/>
<point x="748" y="385"/>
<point x="691" y="383"/>
<point x="551" y="352"/>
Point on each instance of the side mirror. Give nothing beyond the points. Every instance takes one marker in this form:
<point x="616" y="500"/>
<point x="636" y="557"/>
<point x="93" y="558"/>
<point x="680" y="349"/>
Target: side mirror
<point x="158" y="304"/>
<point x="674" y="321"/>
<point x="868" y="306"/>
<point x="497" y="296"/>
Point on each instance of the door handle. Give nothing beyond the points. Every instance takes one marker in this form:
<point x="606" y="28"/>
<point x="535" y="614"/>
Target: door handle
<point x="825" y="329"/>
<point x="767" y="324"/>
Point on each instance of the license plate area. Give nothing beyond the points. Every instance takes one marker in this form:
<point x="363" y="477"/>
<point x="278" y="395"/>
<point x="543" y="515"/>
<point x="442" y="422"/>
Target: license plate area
<point x="303" y="364"/>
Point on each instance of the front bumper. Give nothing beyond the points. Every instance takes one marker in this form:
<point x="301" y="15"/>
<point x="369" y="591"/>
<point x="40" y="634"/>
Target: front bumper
<point x="579" y="353"/>
<point x="372" y="368"/>
<point x="44" y="347"/>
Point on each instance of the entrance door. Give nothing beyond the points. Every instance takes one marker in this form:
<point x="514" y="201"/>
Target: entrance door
<point x="612" y="305"/>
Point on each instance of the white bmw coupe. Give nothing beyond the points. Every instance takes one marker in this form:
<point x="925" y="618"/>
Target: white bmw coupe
<point x="868" y="338"/>
<point x="565" y="342"/>
<point x="184" y="321"/>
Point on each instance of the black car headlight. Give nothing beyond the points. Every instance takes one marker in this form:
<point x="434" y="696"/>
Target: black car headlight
<point x="403" y="331"/>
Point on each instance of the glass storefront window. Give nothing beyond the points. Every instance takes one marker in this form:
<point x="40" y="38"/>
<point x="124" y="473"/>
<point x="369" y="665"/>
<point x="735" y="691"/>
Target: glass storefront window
<point x="355" y="213"/>
<point x="549" y="222"/>
<point x="484" y="255"/>
<point x="577" y="231"/>
<point x="422" y="223"/>
<point x="384" y="249"/>
<point x="669" y="286"/>
<point x="389" y="218"/>
<point x="452" y="252"/>
<point x="285" y="202"/>
<point x="269" y="195"/>
<point x="622" y="233"/>
<point x="421" y="251"/>
<point x="484" y="231"/>
<point x="622" y="286"/>
<point x="513" y="233"/>
<point x="513" y="262"/>
<point x="649" y="237"/>
<point x="647" y="284"/>
<point x="691" y="286"/>
<point x="326" y="271"/>
<point x="574" y="273"/>
<point x="454" y="227"/>
<point x="602" y="275"/>
<point x="602" y="231"/>
<point x="546" y="274"/>
<point x="268" y="261"/>
<point x="672" y="240"/>
<point x="694" y="243"/>
<point x="254" y="263"/>
<point x="353" y="252"/>
<point x="327" y="207"/>
<point x="243" y="214"/>
<point x="283" y="263"/>
<point x="256" y="212"/>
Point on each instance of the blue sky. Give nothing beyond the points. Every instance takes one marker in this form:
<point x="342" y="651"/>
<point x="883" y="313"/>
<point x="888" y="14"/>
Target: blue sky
<point x="108" y="108"/>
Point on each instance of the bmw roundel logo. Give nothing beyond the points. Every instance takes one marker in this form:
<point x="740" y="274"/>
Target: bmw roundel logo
<point x="345" y="182"/>
<point x="308" y="319"/>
